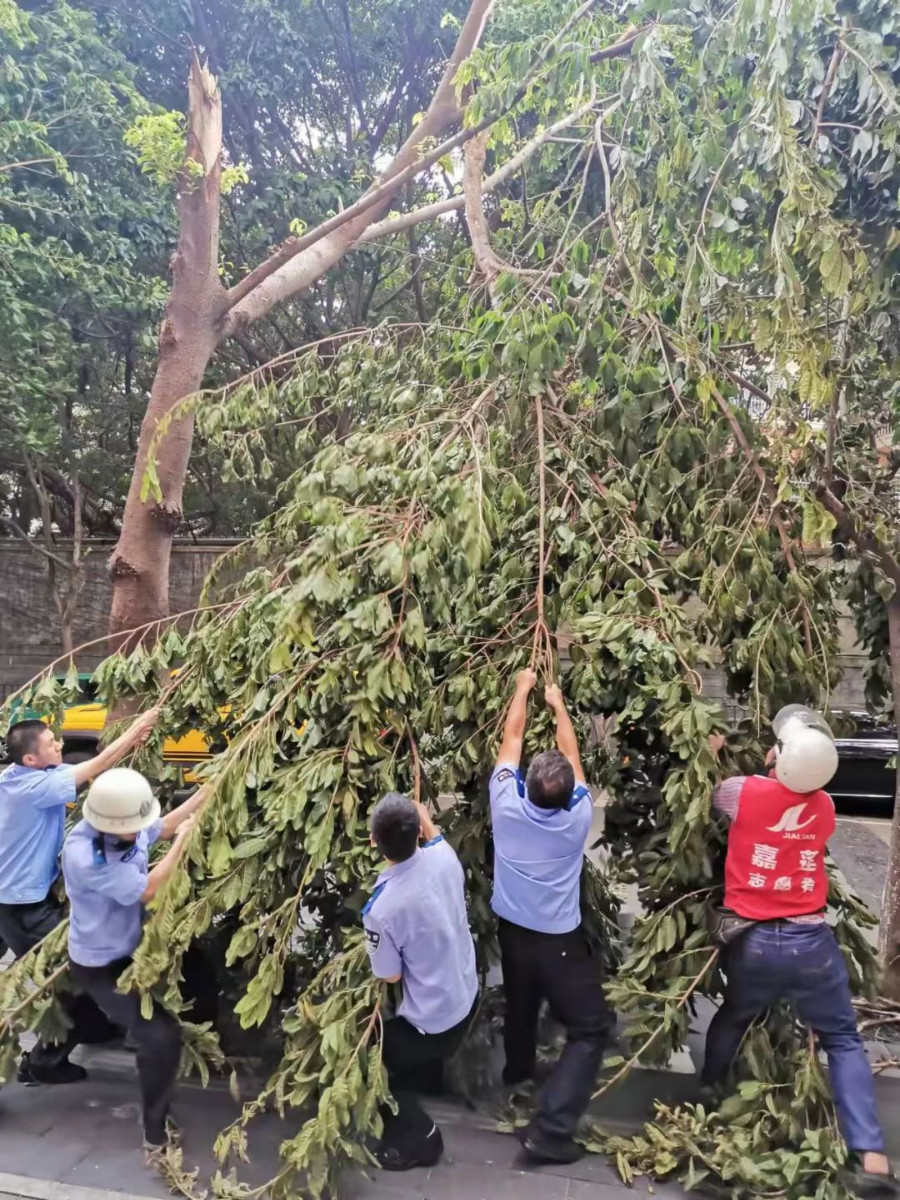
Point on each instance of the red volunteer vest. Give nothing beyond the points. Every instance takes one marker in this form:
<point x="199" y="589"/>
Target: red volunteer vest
<point x="776" y="851"/>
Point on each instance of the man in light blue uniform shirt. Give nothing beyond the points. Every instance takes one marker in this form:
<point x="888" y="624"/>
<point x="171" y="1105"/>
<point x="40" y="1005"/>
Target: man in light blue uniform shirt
<point x="540" y="825"/>
<point x="109" y="880"/>
<point x="417" y="933"/>
<point x="34" y="793"/>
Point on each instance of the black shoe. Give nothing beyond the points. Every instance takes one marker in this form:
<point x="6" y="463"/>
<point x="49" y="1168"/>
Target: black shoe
<point x="867" y="1185"/>
<point x="428" y="1154"/>
<point x="550" y="1150"/>
<point x="64" y="1072"/>
<point x="161" y="1137"/>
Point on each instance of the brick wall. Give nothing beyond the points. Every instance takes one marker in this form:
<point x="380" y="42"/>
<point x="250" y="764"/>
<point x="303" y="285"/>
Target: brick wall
<point x="29" y="632"/>
<point x="29" y="637"/>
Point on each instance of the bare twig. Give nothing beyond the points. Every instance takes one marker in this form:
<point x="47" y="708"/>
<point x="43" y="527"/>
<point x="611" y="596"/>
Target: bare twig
<point x="836" y="59"/>
<point x="783" y="535"/>
<point x="541" y="643"/>
<point x="635" y="1058"/>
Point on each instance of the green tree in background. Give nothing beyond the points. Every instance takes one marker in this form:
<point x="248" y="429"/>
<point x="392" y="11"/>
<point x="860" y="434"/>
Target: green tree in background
<point x="82" y="245"/>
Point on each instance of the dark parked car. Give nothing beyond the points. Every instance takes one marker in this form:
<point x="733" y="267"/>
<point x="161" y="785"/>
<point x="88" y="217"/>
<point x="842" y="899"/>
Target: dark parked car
<point x="864" y="781"/>
<point x="864" y="776"/>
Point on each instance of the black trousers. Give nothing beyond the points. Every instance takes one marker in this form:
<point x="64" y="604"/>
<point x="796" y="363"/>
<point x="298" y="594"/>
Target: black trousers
<point x="558" y="968"/>
<point x="158" y="1040"/>
<point x="22" y="926"/>
<point x="414" y="1061"/>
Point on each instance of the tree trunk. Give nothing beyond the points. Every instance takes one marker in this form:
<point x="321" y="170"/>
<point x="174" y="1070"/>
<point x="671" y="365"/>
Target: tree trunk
<point x="187" y="339"/>
<point x="889" y="945"/>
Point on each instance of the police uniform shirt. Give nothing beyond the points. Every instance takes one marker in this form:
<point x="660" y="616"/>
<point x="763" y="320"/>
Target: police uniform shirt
<point x="417" y="927"/>
<point x="538" y="854"/>
<point x="32" y="826"/>
<point x="105" y="879"/>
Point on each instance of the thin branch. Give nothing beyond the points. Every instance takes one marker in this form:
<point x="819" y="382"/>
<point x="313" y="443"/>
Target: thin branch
<point x="830" y="75"/>
<point x="607" y="181"/>
<point x="541" y="632"/>
<point x="635" y="1058"/>
<point x="622" y="45"/>
<point x="33" y="545"/>
<point x="754" y="462"/>
<point x="835" y="408"/>
<point x="28" y="162"/>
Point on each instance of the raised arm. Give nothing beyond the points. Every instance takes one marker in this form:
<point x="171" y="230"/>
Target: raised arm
<point x="428" y="829"/>
<point x="135" y="735"/>
<point x="566" y="741"/>
<point x="514" y="730"/>
<point x="173" y="820"/>
<point x="166" y="865"/>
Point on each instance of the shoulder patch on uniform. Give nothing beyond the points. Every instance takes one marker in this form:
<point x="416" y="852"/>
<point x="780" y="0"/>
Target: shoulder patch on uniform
<point x="578" y="795"/>
<point x="373" y="937"/>
<point x="371" y="900"/>
<point x="503" y="774"/>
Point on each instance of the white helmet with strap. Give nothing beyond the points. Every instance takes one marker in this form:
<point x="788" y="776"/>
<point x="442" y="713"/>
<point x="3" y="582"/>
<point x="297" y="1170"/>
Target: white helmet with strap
<point x="806" y="757"/>
<point x="121" y="801"/>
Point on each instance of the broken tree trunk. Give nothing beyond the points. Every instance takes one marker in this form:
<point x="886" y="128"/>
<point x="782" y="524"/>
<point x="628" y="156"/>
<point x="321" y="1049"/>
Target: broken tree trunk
<point x="187" y="338"/>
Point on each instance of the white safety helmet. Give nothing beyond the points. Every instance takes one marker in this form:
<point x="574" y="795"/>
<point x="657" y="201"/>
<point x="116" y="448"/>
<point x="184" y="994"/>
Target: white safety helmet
<point x="806" y="757"/>
<point x="121" y="801"/>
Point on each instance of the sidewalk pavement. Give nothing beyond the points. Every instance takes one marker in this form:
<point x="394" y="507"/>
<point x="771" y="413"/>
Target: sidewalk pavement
<point x="82" y="1142"/>
<point x="56" y="1141"/>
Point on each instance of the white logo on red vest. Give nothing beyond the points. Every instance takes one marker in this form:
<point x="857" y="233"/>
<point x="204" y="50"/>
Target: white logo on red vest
<point x="790" y="820"/>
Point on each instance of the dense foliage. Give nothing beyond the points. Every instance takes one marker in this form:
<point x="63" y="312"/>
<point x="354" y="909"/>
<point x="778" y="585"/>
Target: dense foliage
<point x="626" y="457"/>
<point x="83" y="247"/>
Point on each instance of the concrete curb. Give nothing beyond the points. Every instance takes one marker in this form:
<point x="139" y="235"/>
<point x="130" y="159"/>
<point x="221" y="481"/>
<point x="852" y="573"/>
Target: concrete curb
<point x="22" y="1187"/>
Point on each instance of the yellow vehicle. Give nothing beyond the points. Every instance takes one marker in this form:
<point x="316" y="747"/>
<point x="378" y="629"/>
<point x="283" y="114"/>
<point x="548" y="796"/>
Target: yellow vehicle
<point x="82" y="727"/>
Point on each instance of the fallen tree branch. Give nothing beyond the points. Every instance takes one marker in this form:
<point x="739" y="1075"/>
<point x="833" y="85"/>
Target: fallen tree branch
<point x="282" y="275"/>
<point x="635" y="1058"/>
<point x="541" y="633"/>
<point x="763" y="478"/>
<point x="864" y="541"/>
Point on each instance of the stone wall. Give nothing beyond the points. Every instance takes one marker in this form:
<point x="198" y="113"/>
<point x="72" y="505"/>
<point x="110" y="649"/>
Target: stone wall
<point x="29" y="631"/>
<point x="29" y="636"/>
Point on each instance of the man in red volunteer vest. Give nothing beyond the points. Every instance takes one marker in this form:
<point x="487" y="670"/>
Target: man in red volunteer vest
<point x="775" y="875"/>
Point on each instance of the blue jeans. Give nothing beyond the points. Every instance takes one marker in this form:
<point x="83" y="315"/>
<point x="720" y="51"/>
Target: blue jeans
<point x="803" y="965"/>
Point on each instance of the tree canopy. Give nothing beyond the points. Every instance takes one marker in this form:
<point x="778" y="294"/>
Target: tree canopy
<point x="655" y="431"/>
<point x="82" y="244"/>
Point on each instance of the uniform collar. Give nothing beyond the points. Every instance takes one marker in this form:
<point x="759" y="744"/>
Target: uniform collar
<point x="398" y="869"/>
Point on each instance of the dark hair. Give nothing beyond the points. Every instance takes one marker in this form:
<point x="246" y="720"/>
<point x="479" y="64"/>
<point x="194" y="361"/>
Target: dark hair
<point x="22" y="739"/>
<point x="395" y="827"/>
<point x="550" y="780"/>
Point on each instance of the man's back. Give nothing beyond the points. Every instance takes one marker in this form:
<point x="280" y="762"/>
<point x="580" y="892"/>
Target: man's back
<point x="417" y="927"/>
<point x="776" y="848"/>
<point x="538" y="856"/>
